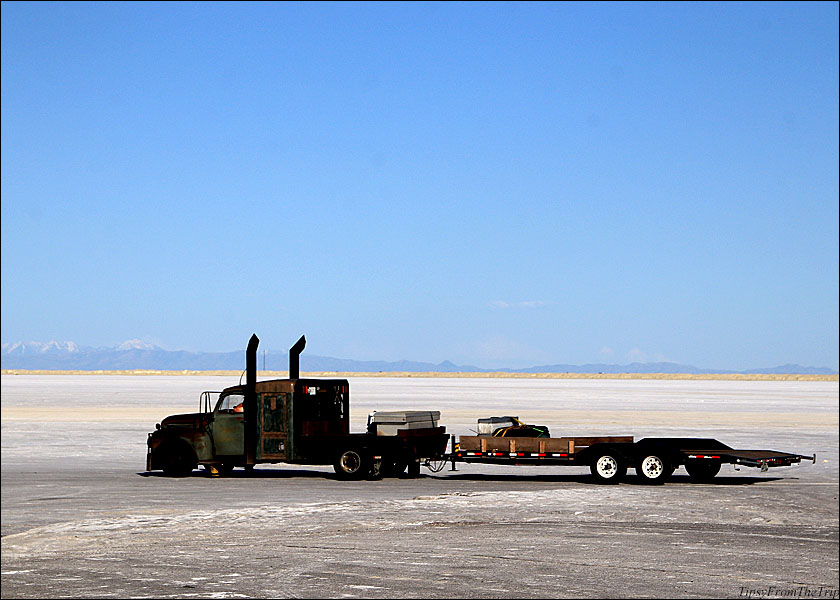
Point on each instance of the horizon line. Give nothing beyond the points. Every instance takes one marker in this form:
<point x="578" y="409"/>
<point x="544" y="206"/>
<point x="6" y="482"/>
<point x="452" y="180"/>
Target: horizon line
<point x="438" y="374"/>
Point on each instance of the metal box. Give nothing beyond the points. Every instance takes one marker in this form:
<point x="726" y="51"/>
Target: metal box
<point x="390" y="422"/>
<point x="488" y="426"/>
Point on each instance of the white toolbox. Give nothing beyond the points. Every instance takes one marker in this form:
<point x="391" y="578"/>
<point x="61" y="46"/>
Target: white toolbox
<point x="389" y="422"/>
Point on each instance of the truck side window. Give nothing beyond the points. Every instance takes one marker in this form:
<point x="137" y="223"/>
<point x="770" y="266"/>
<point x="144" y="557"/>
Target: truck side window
<point x="231" y="404"/>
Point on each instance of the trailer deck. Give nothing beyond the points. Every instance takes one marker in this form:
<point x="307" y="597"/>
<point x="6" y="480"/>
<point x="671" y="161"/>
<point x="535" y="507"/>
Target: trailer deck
<point x="654" y="459"/>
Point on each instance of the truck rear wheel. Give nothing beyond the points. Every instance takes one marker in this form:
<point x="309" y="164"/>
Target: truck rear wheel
<point x="608" y="467"/>
<point x="351" y="464"/>
<point x="393" y="467"/>
<point x="702" y="470"/>
<point x="654" y="468"/>
<point x="413" y="469"/>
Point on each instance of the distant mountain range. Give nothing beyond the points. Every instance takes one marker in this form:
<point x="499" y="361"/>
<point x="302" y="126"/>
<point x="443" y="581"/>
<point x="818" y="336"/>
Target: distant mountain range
<point x="135" y="354"/>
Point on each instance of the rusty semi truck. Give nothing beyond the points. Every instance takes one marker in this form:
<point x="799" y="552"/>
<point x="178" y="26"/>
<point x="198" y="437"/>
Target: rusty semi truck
<point x="295" y="420"/>
<point x="306" y="421"/>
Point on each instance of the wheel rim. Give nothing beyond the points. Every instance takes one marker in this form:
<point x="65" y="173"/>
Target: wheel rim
<point x="607" y="467"/>
<point x="652" y="467"/>
<point x="350" y="462"/>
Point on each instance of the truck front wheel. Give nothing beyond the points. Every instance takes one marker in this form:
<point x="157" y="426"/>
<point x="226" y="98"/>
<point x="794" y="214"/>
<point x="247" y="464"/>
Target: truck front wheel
<point x="351" y="464"/>
<point x="654" y="468"/>
<point x="178" y="459"/>
<point x="608" y="467"/>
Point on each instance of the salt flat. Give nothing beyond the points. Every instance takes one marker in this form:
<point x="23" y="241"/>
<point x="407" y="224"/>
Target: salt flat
<point x="80" y="518"/>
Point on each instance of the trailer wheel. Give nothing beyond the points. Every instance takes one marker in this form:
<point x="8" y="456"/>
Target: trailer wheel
<point x="702" y="470"/>
<point x="178" y="459"/>
<point x="654" y="468"/>
<point x="608" y="467"/>
<point x="351" y="464"/>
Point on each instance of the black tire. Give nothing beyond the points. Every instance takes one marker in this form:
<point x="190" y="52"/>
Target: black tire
<point x="413" y="469"/>
<point x="608" y="466"/>
<point x="178" y="459"/>
<point x="352" y="464"/>
<point x="654" y="467"/>
<point x="393" y="467"/>
<point x="702" y="469"/>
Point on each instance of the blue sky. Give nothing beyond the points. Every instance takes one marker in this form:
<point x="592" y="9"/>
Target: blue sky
<point x="494" y="184"/>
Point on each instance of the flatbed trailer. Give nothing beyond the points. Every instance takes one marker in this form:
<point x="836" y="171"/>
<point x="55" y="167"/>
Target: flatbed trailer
<point x="609" y="457"/>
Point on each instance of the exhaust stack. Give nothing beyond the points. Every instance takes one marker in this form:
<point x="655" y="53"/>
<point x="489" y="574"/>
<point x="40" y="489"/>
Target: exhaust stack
<point x="250" y="404"/>
<point x="294" y="358"/>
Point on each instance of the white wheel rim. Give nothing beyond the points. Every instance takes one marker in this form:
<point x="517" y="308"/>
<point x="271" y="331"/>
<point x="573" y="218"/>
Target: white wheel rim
<point x="350" y="462"/>
<point x="607" y="467"/>
<point x="652" y="467"/>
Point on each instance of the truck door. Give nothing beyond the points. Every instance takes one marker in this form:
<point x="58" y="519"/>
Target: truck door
<point x="273" y="418"/>
<point x="227" y="428"/>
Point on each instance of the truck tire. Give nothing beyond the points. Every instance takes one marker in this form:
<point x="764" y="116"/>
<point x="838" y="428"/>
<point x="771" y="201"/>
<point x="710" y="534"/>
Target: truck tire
<point x="178" y="459"/>
<point x="608" y="466"/>
<point x="413" y="469"/>
<point x="654" y="467"/>
<point x="702" y="470"/>
<point x="352" y="464"/>
<point x="393" y="467"/>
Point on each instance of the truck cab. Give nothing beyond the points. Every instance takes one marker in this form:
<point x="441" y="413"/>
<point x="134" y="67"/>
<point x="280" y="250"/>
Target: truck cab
<point x="294" y="420"/>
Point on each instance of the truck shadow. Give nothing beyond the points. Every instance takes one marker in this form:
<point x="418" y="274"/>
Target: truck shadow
<point x="678" y="479"/>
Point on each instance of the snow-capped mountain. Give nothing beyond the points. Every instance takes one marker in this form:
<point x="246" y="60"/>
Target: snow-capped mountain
<point x="136" y="354"/>
<point x="136" y="344"/>
<point x="29" y="348"/>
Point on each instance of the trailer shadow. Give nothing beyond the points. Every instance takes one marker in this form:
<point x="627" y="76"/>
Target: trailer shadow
<point x="629" y="480"/>
<point x="678" y="479"/>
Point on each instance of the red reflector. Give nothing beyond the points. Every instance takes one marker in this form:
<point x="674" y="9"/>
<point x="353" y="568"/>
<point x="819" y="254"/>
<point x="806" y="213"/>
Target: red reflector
<point x="540" y="454"/>
<point x="714" y="457"/>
